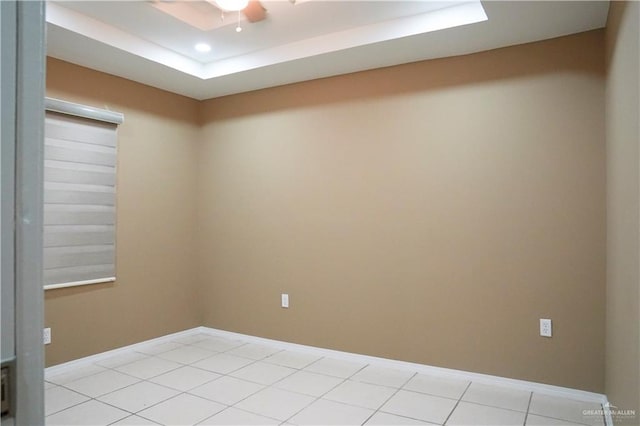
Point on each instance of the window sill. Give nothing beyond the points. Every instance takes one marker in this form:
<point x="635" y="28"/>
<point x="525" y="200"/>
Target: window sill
<point x="80" y="283"/>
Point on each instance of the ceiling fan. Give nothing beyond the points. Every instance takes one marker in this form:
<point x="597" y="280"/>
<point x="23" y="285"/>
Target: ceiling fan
<point x="201" y="14"/>
<point x="253" y="10"/>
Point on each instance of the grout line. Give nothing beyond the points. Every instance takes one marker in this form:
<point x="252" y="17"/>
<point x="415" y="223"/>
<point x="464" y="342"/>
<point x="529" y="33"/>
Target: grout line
<point x="377" y="410"/>
<point x="433" y="394"/>
<point x="240" y="400"/>
<point x="382" y="405"/>
<point x="526" y="416"/>
<point x="408" y="380"/>
<point x="457" y="403"/>
<point x="494" y="406"/>
<point x="317" y="398"/>
<point x="264" y="386"/>
<point x="255" y="414"/>
<point x="115" y="406"/>
<point x="71" y="406"/>
<point x="465" y="391"/>
<point x="81" y="377"/>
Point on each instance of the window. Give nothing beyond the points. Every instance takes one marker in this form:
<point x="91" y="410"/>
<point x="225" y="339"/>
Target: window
<point x="79" y="194"/>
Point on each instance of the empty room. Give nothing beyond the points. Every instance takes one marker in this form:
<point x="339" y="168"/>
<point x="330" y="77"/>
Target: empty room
<point x="333" y="212"/>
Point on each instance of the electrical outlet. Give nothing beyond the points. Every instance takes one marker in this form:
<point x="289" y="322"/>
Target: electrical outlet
<point x="545" y="327"/>
<point x="285" y="300"/>
<point x="46" y="336"/>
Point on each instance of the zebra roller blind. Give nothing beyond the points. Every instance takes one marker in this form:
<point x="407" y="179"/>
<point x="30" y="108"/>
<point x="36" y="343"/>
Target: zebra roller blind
<point x="79" y="199"/>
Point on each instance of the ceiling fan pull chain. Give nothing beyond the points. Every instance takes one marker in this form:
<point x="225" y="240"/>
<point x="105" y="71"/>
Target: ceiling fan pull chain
<point x="238" y="28"/>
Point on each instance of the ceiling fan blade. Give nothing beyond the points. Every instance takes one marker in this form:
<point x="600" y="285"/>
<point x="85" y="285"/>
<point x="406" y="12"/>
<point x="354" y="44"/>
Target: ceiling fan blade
<point x="255" y="11"/>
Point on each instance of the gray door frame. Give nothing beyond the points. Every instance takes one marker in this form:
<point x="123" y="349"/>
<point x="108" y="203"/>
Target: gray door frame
<point x="22" y="110"/>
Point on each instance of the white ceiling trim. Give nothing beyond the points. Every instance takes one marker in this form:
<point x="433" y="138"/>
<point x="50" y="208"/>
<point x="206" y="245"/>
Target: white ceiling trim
<point x="460" y="14"/>
<point x="450" y="17"/>
<point x="114" y="37"/>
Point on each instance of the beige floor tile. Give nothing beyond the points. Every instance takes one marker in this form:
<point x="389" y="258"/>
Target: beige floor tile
<point x="292" y="359"/>
<point x="92" y="413"/>
<point x="275" y="403"/>
<point x="227" y="390"/>
<point x="74" y="374"/>
<point x="263" y="373"/>
<point x="101" y="383"/>
<point x="309" y="383"/>
<point x="383" y="376"/>
<point x="439" y="386"/>
<point x="186" y="354"/>
<point x="139" y="396"/>
<point x="222" y="363"/>
<point x="158" y="348"/>
<point x="58" y="398"/>
<point x="535" y="420"/>
<point x="134" y="421"/>
<point x="565" y="409"/>
<point x="386" y="419"/>
<point x="469" y="414"/>
<point x="498" y="396"/>
<point x="254" y="351"/>
<point x="190" y="339"/>
<point x="121" y="359"/>
<point x="218" y="344"/>
<point x="323" y="412"/>
<point x="233" y="416"/>
<point x="148" y="367"/>
<point x="360" y="394"/>
<point x="183" y="409"/>
<point x="419" y="406"/>
<point x="185" y="378"/>
<point x="335" y="367"/>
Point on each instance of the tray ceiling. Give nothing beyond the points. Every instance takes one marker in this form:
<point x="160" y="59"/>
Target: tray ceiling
<point x="153" y="42"/>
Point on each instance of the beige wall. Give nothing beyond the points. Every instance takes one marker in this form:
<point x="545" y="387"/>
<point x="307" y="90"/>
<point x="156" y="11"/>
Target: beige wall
<point x="623" y="202"/>
<point x="430" y="212"/>
<point x="154" y="293"/>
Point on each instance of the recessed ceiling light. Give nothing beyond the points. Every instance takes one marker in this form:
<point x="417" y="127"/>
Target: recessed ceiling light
<point x="202" y="47"/>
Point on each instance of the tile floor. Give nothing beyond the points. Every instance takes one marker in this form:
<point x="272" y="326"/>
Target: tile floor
<point x="208" y="380"/>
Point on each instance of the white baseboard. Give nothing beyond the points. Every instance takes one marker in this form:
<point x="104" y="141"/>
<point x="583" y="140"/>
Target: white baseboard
<point x="540" y="388"/>
<point x="67" y="366"/>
